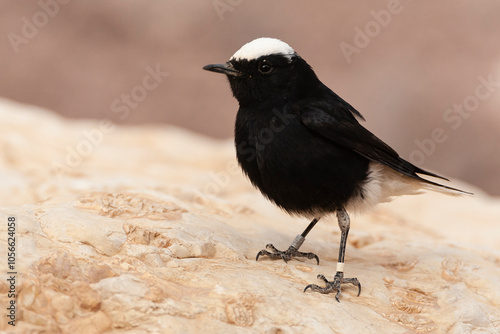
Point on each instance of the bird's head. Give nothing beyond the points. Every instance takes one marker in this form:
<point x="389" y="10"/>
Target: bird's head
<point x="266" y="70"/>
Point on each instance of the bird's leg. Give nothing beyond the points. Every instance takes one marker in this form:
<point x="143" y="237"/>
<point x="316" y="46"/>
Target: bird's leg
<point x="331" y="286"/>
<point x="293" y="250"/>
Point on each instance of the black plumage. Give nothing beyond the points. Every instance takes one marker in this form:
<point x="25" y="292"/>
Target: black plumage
<point x="302" y="146"/>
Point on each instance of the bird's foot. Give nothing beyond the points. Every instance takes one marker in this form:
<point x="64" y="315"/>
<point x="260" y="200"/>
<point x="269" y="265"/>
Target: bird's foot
<point x="334" y="285"/>
<point x="290" y="253"/>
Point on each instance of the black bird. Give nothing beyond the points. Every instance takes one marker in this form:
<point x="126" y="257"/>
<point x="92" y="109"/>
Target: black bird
<point x="302" y="146"/>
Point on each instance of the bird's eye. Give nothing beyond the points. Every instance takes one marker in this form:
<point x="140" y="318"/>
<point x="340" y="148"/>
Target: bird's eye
<point x="265" y="67"/>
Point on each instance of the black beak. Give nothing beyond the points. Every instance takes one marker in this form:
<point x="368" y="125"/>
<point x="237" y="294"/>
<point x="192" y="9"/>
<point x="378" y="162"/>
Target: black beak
<point x="226" y="69"/>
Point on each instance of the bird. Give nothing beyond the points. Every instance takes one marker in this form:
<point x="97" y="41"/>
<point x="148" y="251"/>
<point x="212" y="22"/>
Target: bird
<point x="304" y="148"/>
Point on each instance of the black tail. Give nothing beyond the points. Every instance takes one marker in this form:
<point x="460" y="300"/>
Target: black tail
<point x="414" y="170"/>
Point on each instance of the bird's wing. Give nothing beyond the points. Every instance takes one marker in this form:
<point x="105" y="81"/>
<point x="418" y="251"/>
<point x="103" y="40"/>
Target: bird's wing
<point x="340" y="127"/>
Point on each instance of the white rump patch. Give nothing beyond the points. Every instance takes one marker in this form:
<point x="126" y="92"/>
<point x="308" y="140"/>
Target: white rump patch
<point x="382" y="185"/>
<point x="263" y="46"/>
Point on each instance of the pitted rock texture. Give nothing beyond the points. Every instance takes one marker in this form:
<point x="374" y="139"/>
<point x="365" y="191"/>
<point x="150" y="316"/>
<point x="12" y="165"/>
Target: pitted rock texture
<point x="155" y="230"/>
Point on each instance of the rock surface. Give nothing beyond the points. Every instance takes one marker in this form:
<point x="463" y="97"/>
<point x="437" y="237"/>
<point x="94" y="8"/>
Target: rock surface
<point x="145" y="230"/>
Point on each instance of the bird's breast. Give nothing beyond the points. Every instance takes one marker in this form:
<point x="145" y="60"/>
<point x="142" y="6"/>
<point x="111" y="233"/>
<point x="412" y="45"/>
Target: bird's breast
<point x="299" y="170"/>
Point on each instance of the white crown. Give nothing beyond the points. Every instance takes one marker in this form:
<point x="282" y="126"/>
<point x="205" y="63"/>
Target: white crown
<point x="263" y="46"/>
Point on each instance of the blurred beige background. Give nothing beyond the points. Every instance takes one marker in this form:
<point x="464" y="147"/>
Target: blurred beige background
<point x="425" y="75"/>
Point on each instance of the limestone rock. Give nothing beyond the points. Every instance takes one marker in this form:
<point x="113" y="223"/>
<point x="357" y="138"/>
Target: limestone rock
<point x="146" y="230"/>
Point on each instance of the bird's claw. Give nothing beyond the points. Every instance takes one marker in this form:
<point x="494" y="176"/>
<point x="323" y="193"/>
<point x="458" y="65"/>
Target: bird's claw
<point x="334" y="285"/>
<point x="290" y="253"/>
